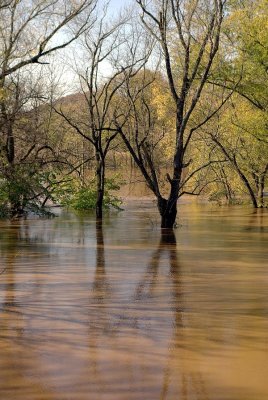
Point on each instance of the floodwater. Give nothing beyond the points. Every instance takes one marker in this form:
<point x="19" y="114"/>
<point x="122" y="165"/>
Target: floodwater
<point x="121" y="313"/>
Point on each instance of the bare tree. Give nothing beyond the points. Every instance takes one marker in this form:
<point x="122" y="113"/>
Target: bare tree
<point x="145" y="135"/>
<point x="248" y="159"/>
<point x="4" y="3"/>
<point x="31" y="30"/>
<point x="104" y="50"/>
<point x="139" y="127"/>
<point x="188" y="33"/>
<point x="28" y="145"/>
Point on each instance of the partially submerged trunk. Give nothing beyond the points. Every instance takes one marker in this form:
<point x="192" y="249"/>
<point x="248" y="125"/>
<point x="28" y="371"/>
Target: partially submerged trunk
<point x="249" y="188"/>
<point x="168" y="212"/>
<point x="168" y="207"/>
<point x="15" y="196"/>
<point x="100" y="176"/>
<point x="261" y="198"/>
<point x="243" y="177"/>
<point x="16" y="209"/>
<point x="260" y="193"/>
<point x="260" y="187"/>
<point x="168" y="238"/>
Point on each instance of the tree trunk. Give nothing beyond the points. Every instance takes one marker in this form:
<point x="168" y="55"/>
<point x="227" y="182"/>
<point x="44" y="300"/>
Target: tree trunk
<point x="169" y="217"/>
<point x="249" y="188"/>
<point x="227" y="187"/>
<point x="261" y="191"/>
<point x="168" y="238"/>
<point x="169" y="214"/>
<point x="245" y="182"/>
<point x="100" y="175"/>
<point x="15" y="199"/>
<point x="242" y="176"/>
<point x="168" y="208"/>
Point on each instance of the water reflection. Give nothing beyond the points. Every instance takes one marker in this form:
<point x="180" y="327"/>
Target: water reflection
<point x="190" y="384"/>
<point x="121" y="311"/>
<point x="257" y="221"/>
<point x="7" y="258"/>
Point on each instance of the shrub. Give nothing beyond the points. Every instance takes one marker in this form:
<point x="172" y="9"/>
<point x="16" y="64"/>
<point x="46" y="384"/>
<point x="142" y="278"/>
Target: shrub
<point x="85" y="197"/>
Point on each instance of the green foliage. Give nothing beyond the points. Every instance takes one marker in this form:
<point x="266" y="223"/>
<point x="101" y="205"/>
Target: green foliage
<point x="246" y="26"/>
<point x="24" y="192"/>
<point x="14" y="194"/>
<point x="220" y="196"/>
<point x="72" y="195"/>
<point x="3" y="200"/>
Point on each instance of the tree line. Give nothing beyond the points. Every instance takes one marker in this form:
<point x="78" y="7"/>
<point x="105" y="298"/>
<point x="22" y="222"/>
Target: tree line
<point x="178" y="85"/>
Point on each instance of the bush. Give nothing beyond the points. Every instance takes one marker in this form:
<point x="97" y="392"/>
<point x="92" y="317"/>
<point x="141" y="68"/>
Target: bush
<point x="85" y="197"/>
<point x="19" y="195"/>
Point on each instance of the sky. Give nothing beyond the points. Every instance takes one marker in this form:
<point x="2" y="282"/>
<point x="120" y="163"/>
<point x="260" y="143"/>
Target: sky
<point x="117" y="4"/>
<point x="63" y="57"/>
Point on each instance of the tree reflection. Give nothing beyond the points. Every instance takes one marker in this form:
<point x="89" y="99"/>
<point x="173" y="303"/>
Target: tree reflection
<point x="9" y="252"/>
<point x="13" y="260"/>
<point x="100" y="283"/>
<point x="257" y="221"/>
<point x="14" y="317"/>
<point x="179" y="377"/>
<point x="98" y="317"/>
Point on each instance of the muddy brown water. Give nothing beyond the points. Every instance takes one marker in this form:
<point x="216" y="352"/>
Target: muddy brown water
<point x="120" y="313"/>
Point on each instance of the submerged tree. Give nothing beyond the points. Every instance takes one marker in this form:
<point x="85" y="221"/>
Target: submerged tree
<point x="30" y="32"/>
<point x="31" y="151"/>
<point x="105" y="48"/>
<point x="147" y="130"/>
<point x="245" y="152"/>
<point x="241" y="134"/>
<point x="188" y="34"/>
